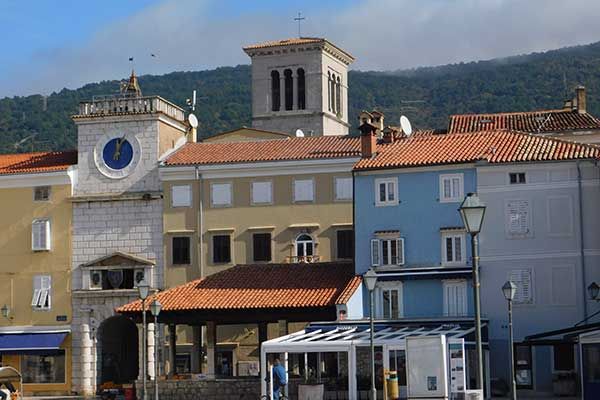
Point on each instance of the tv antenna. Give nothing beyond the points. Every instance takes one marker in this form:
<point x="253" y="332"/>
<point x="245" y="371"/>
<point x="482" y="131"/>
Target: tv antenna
<point x="406" y="126"/>
<point x="299" y="18"/>
<point x="299" y="133"/>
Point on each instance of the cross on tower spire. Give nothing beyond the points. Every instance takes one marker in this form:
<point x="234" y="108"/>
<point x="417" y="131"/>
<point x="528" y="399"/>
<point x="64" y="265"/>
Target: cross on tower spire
<point x="299" y="18"/>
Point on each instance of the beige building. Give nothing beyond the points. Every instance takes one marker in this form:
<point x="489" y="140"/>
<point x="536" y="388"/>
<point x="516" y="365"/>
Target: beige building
<point x="35" y="276"/>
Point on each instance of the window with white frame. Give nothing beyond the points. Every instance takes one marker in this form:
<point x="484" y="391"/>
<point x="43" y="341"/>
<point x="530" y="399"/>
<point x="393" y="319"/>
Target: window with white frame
<point x="343" y="188"/>
<point x="304" y="190"/>
<point x="517" y="178"/>
<point x="262" y="192"/>
<point x="522" y="278"/>
<point x="518" y="218"/>
<point x="453" y="248"/>
<point x="386" y="191"/>
<point x="387" y="251"/>
<point x="181" y="196"/>
<point x="455" y="298"/>
<point x="42" y="296"/>
<point x="220" y="194"/>
<point x="40" y="235"/>
<point x="389" y="300"/>
<point x="451" y="188"/>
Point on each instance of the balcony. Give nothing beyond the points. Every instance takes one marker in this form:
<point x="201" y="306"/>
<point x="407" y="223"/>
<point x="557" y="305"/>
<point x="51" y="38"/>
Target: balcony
<point x="302" y="259"/>
<point x="119" y="105"/>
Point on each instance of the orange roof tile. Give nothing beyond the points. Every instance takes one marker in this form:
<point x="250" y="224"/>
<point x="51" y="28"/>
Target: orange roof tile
<point x="499" y="146"/>
<point x="260" y="287"/>
<point x="292" y="148"/>
<point x="285" y="42"/>
<point x="532" y="122"/>
<point x="28" y="163"/>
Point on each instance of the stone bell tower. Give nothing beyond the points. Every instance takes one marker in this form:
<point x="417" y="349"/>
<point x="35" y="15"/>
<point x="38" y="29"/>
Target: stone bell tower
<point x="301" y="84"/>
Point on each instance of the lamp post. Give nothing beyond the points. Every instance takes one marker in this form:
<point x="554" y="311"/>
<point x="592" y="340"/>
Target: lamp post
<point x="370" y="278"/>
<point x="472" y="211"/>
<point x="509" y="289"/>
<point x="155" y="308"/>
<point x="143" y="290"/>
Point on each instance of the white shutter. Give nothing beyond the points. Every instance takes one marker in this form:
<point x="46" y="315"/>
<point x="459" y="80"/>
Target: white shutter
<point x="262" y="192"/>
<point x="42" y="288"/>
<point x="400" y="251"/>
<point x="40" y="234"/>
<point x="181" y="196"/>
<point x="517" y="214"/>
<point x="455" y="298"/>
<point x="221" y="194"/>
<point x="343" y="188"/>
<point x="522" y="279"/>
<point x="375" y="253"/>
<point x="303" y="190"/>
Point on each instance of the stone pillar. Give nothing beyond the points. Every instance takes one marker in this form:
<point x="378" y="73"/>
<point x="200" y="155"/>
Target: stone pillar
<point x="211" y="348"/>
<point x="150" y="347"/>
<point x="282" y="91"/>
<point x="172" y="349"/>
<point x="84" y="366"/>
<point x="196" y="349"/>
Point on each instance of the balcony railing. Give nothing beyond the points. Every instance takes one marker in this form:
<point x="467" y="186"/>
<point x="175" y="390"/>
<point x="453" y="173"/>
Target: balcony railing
<point x="113" y="105"/>
<point x="302" y="259"/>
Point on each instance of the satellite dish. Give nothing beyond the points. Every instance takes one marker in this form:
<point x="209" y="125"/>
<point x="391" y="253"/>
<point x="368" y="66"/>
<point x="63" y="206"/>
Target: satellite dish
<point x="193" y="121"/>
<point x="405" y="124"/>
<point x="299" y="133"/>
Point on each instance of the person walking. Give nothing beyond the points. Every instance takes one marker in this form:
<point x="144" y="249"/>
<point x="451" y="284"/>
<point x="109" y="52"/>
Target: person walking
<point x="279" y="380"/>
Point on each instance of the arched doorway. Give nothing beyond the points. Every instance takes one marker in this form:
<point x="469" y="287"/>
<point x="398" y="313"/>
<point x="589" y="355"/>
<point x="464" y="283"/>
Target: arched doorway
<point x="119" y="343"/>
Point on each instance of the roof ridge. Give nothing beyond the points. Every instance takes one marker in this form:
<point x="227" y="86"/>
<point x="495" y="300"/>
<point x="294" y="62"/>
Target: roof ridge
<point x="557" y="110"/>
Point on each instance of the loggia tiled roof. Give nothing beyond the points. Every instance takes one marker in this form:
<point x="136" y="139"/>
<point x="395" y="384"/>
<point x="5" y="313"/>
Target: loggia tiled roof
<point x="28" y="163"/>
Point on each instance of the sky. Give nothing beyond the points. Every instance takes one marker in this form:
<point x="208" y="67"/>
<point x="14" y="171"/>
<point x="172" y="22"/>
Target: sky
<point x="49" y="45"/>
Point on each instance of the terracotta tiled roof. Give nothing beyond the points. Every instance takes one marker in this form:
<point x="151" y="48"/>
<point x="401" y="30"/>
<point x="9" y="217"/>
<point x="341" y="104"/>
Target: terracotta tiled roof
<point x="532" y="122"/>
<point x="499" y="146"/>
<point x="291" y="148"/>
<point x="27" y="163"/>
<point x="262" y="286"/>
<point x="285" y="42"/>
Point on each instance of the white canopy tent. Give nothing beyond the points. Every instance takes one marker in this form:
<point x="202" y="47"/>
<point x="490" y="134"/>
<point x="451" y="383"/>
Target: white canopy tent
<point x="345" y="338"/>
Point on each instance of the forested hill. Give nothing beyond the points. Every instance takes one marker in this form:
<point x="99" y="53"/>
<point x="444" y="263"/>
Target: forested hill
<point x="426" y="95"/>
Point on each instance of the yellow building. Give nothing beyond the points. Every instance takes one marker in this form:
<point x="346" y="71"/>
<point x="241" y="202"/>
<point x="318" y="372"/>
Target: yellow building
<point x="35" y="279"/>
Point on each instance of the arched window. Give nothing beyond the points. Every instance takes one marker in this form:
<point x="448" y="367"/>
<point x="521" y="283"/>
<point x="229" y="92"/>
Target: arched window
<point x="305" y="247"/>
<point x="338" y="97"/>
<point x="332" y="89"/>
<point x="329" y="90"/>
<point x="289" y="89"/>
<point x="275" y="91"/>
<point x="301" y="89"/>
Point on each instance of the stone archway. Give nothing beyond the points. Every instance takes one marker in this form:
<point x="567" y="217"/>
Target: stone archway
<point x="118" y="338"/>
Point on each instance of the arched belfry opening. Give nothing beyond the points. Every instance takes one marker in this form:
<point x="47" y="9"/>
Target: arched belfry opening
<point x="275" y="91"/>
<point x="301" y="89"/>
<point x="289" y="89"/>
<point x="118" y="358"/>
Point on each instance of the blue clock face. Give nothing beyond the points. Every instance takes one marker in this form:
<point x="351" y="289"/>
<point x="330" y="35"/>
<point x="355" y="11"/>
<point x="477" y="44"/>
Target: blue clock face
<point x="117" y="153"/>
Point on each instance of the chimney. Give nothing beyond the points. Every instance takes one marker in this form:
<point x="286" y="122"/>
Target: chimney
<point x="368" y="140"/>
<point x="377" y="119"/>
<point x="581" y="100"/>
<point x="389" y="134"/>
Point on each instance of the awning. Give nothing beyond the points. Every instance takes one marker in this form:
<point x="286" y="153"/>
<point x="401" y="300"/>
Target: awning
<point x="566" y="335"/>
<point x="20" y="343"/>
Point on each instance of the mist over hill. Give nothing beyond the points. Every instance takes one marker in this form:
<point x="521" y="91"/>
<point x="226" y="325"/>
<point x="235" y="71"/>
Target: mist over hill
<point x="426" y="95"/>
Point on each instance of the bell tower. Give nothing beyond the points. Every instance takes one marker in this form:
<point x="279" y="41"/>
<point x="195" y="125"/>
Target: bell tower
<point x="301" y="84"/>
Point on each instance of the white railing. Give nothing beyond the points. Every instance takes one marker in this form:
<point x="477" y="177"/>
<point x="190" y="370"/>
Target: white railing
<point x="302" y="259"/>
<point x="110" y="105"/>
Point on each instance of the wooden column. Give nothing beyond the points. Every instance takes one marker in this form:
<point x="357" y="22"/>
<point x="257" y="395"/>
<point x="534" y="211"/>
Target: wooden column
<point x="262" y="337"/>
<point x="172" y="349"/>
<point x="211" y="348"/>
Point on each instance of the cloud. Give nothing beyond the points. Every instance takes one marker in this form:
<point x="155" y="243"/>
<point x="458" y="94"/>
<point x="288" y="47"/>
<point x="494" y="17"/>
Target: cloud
<point x="381" y="34"/>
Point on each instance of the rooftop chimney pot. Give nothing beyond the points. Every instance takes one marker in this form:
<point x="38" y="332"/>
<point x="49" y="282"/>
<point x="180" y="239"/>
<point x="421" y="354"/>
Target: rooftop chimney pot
<point x="581" y="99"/>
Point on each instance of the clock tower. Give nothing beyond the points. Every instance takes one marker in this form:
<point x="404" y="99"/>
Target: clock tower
<point x="117" y="226"/>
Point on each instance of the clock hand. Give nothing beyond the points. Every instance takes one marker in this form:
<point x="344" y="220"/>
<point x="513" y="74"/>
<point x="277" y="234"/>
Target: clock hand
<point x="118" y="144"/>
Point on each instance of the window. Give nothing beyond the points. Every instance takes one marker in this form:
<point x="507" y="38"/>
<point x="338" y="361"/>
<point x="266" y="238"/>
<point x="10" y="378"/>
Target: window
<point x="453" y="248"/>
<point x="262" y="192"/>
<point x="338" y="97"/>
<point x="390" y="297"/>
<point x="181" y="196"/>
<point x="386" y="192"/>
<point x="517" y="215"/>
<point x="332" y="93"/>
<point x="455" y="298"/>
<point x="289" y="89"/>
<point x="42" y="296"/>
<point x="345" y="244"/>
<point x="37" y="368"/>
<point x="564" y="357"/>
<point x="387" y="252"/>
<point x="522" y="279"/>
<point x="261" y="246"/>
<point x="304" y="190"/>
<point x="41" y="193"/>
<point x="275" y="91"/>
<point x="181" y="250"/>
<point x="451" y="188"/>
<point x="301" y="89"/>
<point x="523" y="366"/>
<point x="220" y="194"/>
<point x="40" y="235"/>
<point x="343" y="188"/>
<point x="305" y="247"/>
<point x="221" y="249"/>
<point x="517" y="177"/>
<point x="329" y="90"/>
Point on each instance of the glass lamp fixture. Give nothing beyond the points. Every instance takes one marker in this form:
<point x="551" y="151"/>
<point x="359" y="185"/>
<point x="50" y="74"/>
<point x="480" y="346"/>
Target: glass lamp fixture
<point x="472" y="211"/>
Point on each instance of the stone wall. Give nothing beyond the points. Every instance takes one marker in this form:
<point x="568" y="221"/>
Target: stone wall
<point x="214" y="389"/>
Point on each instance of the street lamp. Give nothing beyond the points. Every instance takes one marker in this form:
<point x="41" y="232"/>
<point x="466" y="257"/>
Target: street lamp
<point x="509" y="289"/>
<point x="472" y="211"/>
<point x="370" y="278"/>
<point x="593" y="291"/>
<point x="155" y="308"/>
<point x="5" y="311"/>
<point x="143" y="290"/>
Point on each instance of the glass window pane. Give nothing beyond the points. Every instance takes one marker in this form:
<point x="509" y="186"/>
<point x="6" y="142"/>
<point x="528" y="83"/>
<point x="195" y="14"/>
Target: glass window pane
<point x="43" y="368"/>
<point x="385" y="251"/>
<point x="391" y="191"/>
<point x="447" y="192"/>
<point x="395" y="311"/>
<point x="382" y="195"/>
<point x="394" y="251"/>
<point x="449" y="256"/>
<point x="386" y="303"/>
<point x="457" y="249"/>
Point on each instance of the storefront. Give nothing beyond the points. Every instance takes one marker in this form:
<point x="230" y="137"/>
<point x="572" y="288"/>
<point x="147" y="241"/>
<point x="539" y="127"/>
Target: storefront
<point x="589" y="345"/>
<point x="42" y="358"/>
